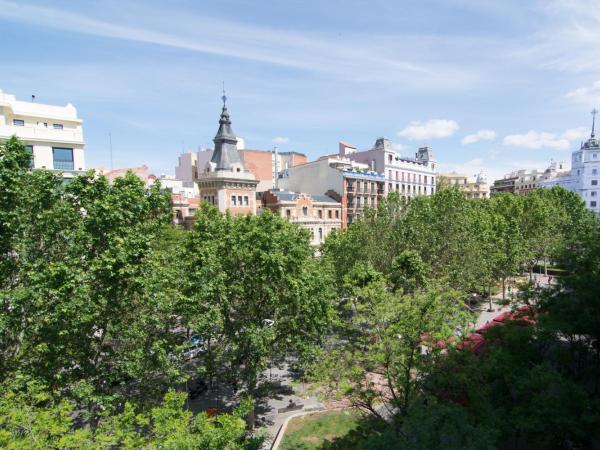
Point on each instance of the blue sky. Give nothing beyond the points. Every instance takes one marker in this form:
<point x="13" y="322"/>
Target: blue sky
<point x="492" y="85"/>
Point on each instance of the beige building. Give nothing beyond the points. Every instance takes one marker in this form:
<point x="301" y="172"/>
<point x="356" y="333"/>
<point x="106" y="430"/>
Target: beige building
<point x="473" y="187"/>
<point x="224" y="180"/>
<point x="524" y="181"/>
<point x="320" y="214"/>
<point x="349" y="182"/>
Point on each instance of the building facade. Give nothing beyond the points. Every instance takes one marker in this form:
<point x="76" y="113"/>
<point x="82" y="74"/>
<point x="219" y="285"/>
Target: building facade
<point x="349" y="182"/>
<point x="320" y="214"/>
<point x="53" y="134"/>
<point x="473" y="187"/>
<point x="409" y="177"/>
<point x="524" y="181"/>
<point x="225" y="181"/>
<point x="584" y="177"/>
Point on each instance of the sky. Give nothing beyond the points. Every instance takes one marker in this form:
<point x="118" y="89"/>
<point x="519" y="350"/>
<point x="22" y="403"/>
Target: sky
<point x="491" y="86"/>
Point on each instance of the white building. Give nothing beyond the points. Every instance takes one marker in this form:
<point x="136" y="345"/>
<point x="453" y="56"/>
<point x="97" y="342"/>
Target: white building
<point x="52" y="133"/>
<point x="585" y="172"/>
<point x="407" y="176"/>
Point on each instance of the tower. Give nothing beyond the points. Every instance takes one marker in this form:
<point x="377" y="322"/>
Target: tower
<point x="225" y="182"/>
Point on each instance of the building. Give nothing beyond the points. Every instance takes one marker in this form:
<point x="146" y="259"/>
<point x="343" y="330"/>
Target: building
<point x="473" y="187"/>
<point x="53" y="134"/>
<point x="320" y="214"/>
<point x="184" y="209"/>
<point x="224" y="180"/>
<point x="266" y="164"/>
<point x="524" y="181"/>
<point x="349" y="182"/>
<point x="585" y="172"/>
<point x="506" y="184"/>
<point x="409" y="177"/>
<point x="142" y="172"/>
<point x="263" y="164"/>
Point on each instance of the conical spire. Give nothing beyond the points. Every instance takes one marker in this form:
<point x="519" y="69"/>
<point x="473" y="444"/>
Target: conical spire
<point x="225" y="153"/>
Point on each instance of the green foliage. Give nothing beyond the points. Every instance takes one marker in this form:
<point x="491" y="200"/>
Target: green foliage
<point x="30" y="417"/>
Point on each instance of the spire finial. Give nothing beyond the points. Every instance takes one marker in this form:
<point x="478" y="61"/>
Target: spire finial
<point x="593" y="113"/>
<point x="224" y="98"/>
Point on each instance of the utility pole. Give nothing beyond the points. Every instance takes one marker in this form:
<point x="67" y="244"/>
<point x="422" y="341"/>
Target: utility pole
<point x="111" y="150"/>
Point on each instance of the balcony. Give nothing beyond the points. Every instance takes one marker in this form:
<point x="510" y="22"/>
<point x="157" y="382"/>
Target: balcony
<point x="30" y="133"/>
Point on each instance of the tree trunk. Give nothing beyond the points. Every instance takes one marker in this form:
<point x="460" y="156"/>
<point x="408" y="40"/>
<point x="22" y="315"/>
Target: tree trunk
<point x="545" y="267"/>
<point x="251" y="417"/>
<point x="503" y="288"/>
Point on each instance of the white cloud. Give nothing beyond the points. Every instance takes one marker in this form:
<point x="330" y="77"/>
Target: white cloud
<point x="536" y="140"/>
<point x="280" y="140"/>
<point x="432" y="129"/>
<point x="351" y="58"/>
<point x="481" y="135"/>
<point x="588" y="95"/>
<point x="575" y="134"/>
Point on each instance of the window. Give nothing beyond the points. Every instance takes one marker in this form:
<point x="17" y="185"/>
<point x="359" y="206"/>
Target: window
<point x="594" y="171"/>
<point x="593" y="204"/>
<point x="358" y="202"/>
<point x="245" y="200"/>
<point x="305" y="211"/>
<point x="396" y="174"/>
<point x="320" y="234"/>
<point x="337" y="214"/>
<point x="29" y="149"/>
<point x="233" y="200"/>
<point x="389" y="187"/>
<point x="595" y="155"/>
<point x="390" y="161"/>
<point x="288" y="213"/>
<point x="390" y="174"/>
<point x="594" y="182"/>
<point x="329" y="214"/>
<point x="57" y="126"/>
<point x="18" y="123"/>
<point x="63" y="158"/>
<point x="358" y="186"/>
<point x="593" y="193"/>
<point x="320" y="214"/>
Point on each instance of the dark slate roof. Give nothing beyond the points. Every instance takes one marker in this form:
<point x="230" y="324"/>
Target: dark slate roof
<point x="289" y="196"/>
<point x="225" y="153"/>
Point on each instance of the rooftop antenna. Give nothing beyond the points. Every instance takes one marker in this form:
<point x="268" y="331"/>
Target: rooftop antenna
<point x="111" y="150"/>
<point x="593" y="113"/>
<point x="32" y="98"/>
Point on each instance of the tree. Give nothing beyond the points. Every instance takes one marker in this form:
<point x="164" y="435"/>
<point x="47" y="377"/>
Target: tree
<point x="78" y="306"/>
<point x="31" y="417"/>
<point x="378" y="355"/>
<point x="259" y="278"/>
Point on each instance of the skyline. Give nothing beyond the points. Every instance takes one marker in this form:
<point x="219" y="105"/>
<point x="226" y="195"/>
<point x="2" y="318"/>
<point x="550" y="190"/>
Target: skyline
<point x="513" y="91"/>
